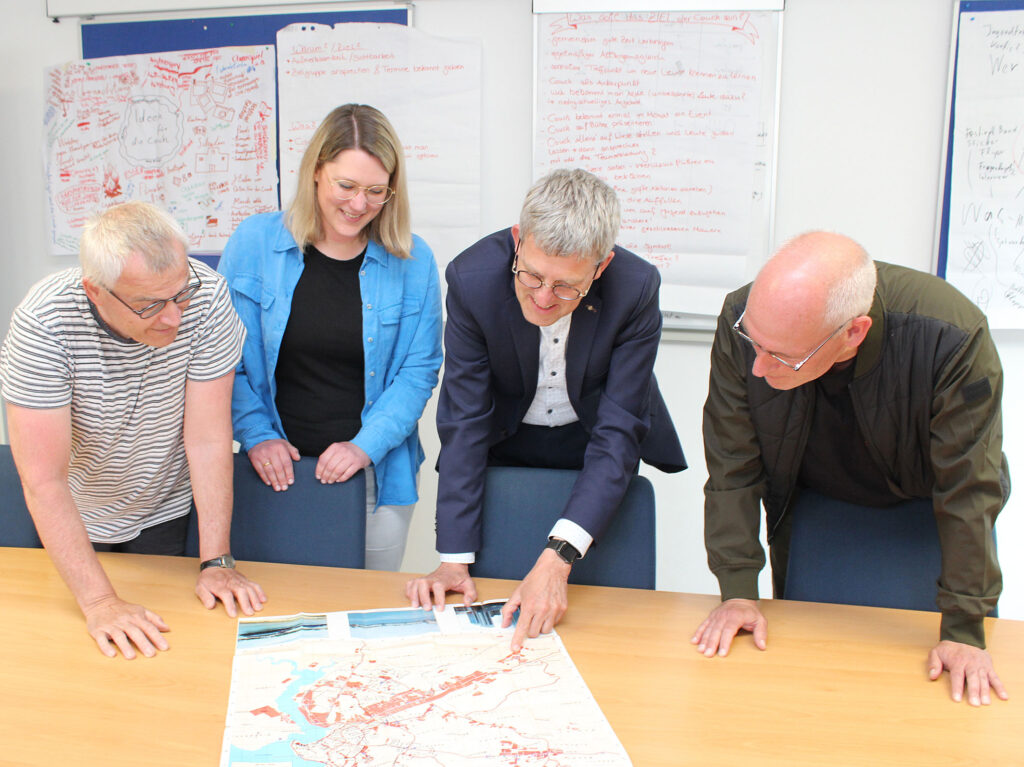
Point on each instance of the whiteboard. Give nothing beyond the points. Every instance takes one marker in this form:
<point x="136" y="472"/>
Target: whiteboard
<point x="678" y="112"/>
<point x="980" y="234"/>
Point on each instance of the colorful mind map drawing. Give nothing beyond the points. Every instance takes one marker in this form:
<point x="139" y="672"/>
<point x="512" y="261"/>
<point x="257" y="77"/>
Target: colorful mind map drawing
<point x="191" y="131"/>
<point x="419" y="688"/>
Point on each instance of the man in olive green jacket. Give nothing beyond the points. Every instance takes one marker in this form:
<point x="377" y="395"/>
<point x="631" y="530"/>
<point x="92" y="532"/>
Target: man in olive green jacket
<point x="902" y="399"/>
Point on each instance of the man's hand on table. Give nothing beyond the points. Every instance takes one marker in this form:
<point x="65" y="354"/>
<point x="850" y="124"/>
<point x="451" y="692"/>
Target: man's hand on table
<point x="542" y="599"/>
<point x="229" y="586"/>
<point x="430" y="590"/>
<point x="966" y="664"/>
<point x="116" y="624"/>
<point x="715" y="634"/>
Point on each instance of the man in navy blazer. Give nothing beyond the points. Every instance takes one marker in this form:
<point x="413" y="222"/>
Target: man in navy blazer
<point x="550" y="345"/>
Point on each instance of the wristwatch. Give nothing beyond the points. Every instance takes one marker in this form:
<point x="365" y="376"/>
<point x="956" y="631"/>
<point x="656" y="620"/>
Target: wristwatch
<point x="565" y="550"/>
<point x="224" y="560"/>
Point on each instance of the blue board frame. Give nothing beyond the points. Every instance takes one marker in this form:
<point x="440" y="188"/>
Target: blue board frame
<point x="131" y="37"/>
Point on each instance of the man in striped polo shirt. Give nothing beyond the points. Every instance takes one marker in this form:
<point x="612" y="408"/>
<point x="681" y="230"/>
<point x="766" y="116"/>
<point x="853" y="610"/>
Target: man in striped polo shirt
<point x="117" y="377"/>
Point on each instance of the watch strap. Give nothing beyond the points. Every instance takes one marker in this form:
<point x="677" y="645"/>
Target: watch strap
<point x="565" y="550"/>
<point x="224" y="560"/>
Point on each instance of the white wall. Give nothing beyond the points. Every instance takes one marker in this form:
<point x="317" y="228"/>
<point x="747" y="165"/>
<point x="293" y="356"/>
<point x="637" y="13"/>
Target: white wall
<point x="862" y="112"/>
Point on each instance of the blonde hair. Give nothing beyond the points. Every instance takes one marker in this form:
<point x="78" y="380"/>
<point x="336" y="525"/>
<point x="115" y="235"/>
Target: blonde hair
<point x="353" y="126"/>
<point x="113" y="235"/>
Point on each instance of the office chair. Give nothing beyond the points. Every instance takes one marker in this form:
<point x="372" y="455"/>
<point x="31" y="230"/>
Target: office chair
<point x="849" y="554"/>
<point x="16" y="526"/>
<point x="308" y="524"/>
<point x="521" y="505"/>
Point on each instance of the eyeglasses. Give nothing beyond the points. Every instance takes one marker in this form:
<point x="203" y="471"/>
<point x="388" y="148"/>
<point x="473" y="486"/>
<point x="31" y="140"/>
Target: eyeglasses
<point x="181" y="297"/>
<point x="348" y="190"/>
<point x="560" y="290"/>
<point x="794" y="366"/>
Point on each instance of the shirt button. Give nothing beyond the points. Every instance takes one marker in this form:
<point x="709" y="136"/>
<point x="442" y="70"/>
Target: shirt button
<point x="554" y="372"/>
<point x="369" y="306"/>
<point x="370" y="339"/>
<point x="550" y="412"/>
<point x="363" y="272"/>
<point x="369" y="402"/>
<point x="372" y="374"/>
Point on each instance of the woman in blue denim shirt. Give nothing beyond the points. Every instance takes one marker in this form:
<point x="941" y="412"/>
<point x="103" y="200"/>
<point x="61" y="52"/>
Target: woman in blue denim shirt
<point x="343" y="311"/>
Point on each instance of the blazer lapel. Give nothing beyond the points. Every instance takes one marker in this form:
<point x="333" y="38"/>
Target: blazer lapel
<point x="581" y="338"/>
<point x="526" y="340"/>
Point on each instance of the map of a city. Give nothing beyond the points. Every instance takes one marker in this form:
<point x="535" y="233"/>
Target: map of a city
<point x="408" y="687"/>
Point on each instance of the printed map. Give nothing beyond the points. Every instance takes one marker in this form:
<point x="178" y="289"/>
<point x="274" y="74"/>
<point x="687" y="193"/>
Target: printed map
<point x="408" y="687"/>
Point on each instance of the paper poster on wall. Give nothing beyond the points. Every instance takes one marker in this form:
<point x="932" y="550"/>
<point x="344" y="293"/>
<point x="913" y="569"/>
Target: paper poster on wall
<point x="191" y="131"/>
<point x="429" y="89"/>
<point x="985" y="255"/>
<point x="677" y="112"/>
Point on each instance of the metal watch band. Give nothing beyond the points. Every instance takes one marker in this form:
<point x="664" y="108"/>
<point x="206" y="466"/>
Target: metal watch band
<point x="224" y="560"/>
<point x="565" y="550"/>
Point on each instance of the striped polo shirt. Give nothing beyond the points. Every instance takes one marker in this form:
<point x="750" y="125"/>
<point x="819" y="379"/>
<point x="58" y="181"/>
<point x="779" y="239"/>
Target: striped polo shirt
<point x="128" y="467"/>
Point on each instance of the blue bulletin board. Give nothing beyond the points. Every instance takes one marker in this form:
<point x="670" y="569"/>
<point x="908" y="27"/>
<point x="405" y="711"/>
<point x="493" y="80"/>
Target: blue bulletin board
<point x="980" y="226"/>
<point x="130" y="37"/>
<point x="124" y="38"/>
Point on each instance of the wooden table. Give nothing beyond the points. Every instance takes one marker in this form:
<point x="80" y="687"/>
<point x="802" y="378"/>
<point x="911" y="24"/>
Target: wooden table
<point x="837" y="686"/>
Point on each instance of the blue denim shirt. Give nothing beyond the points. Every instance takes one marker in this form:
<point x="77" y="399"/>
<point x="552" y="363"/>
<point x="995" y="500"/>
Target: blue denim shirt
<point x="401" y="343"/>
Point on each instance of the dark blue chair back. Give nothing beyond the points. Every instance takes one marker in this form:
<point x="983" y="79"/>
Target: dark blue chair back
<point x="521" y="505"/>
<point x="859" y="555"/>
<point x="16" y="526"/>
<point x="307" y="524"/>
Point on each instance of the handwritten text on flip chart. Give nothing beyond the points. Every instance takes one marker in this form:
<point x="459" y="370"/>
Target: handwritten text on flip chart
<point x="675" y="110"/>
<point x="986" y="216"/>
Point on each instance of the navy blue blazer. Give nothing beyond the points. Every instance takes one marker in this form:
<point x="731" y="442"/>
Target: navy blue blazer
<point x="490" y="378"/>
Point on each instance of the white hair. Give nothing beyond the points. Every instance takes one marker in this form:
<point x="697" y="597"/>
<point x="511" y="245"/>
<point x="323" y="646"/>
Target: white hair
<point x="112" y="236"/>
<point x="571" y="213"/>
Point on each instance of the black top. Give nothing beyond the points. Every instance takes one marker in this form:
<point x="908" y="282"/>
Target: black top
<point x="320" y="367"/>
<point x="837" y="462"/>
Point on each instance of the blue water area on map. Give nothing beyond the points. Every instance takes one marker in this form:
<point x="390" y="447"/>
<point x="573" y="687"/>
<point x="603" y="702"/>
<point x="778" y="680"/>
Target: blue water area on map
<point x="273" y="632"/>
<point x="383" y="624"/>
<point x="287" y="703"/>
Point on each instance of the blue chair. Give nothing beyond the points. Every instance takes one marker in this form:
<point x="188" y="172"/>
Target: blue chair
<point x="16" y="526"/>
<point x="844" y="553"/>
<point x="308" y="524"/>
<point x="521" y="505"/>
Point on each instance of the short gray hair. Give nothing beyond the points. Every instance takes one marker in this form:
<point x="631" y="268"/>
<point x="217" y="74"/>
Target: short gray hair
<point x="853" y="294"/>
<point x="571" y="213"/>
<point x="113" y="235"/>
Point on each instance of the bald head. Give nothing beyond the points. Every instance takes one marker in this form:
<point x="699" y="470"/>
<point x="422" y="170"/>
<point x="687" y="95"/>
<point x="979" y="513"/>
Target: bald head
<point x="815" y="281"/>
<point x="809" y="304"/>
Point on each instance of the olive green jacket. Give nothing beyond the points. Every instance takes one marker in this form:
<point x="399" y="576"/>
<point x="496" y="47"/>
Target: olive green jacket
<point x="927" y="392"/>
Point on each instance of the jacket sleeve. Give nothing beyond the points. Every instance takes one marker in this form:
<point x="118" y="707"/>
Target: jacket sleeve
<point x="395" y="412"/>
<point x="970" y="484"/>
<point x="736" y="476"/>
<point x="252" y="415"/>
<point x="465" y="408"/>
<point x="623" y="416"/>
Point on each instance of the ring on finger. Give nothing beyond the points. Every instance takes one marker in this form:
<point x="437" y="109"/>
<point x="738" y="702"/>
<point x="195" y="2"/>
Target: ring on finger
<point x="266" y="463"/>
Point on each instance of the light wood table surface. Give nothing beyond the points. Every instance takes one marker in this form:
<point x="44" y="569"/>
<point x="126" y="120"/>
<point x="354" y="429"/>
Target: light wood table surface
<point x="837" y="685"/>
